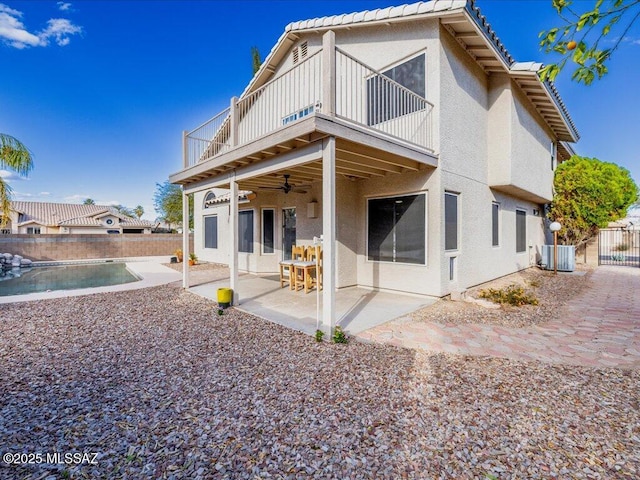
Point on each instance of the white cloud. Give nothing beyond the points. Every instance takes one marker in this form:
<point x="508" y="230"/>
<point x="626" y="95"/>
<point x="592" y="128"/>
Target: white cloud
<point x="9" y="176"/>
<point x="60" y="29"/>
<point x="12" y="30"/>
<point x="64" y="6"/>
<point x="14" y="33"/>
<point x="77" y="198"/>
<point x="44" y="194"/>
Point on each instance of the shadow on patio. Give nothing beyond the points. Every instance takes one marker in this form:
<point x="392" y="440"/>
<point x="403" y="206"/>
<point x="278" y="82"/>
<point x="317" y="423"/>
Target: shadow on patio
<point x="357" y="309"/>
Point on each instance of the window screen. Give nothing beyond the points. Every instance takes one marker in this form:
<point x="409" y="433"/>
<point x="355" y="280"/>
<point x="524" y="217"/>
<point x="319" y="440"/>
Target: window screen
<point x="521" y="231"/>
<point x="211" y="231"/>
<point x="495" y="225"/>
<point x="396" y="229"/>
<point x="268" y="230"/>
<point x="450" y="221"/>
<point x="245" y="231"/>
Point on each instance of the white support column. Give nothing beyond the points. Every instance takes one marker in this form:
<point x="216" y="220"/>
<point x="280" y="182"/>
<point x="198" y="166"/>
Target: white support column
<point x="185" y="239"/>
<point x="233" y="239"/>
<point x="329" y="232"/>
<point x="329" y="70"/>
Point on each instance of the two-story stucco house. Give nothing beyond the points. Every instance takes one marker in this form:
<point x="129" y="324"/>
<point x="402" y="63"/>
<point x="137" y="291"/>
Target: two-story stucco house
<point x="408" y="137"/>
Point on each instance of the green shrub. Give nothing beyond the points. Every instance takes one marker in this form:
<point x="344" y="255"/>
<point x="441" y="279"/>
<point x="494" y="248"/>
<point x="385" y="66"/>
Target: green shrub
<point x="339" y="336"/>
<point x="623" y="247"/>
<point x="512" y="295"/>
<point x="319" y="335"/>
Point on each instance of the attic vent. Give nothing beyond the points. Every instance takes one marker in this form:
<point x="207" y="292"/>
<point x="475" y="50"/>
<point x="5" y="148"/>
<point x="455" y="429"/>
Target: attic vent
<point x="300" y="52"/>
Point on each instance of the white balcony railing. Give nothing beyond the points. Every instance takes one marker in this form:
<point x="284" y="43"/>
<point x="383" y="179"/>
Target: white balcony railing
<point x="285" y="99"/>
<point x="371" y="99"/>
<point x="363" y="96"/>
<point x="209" y="139"/>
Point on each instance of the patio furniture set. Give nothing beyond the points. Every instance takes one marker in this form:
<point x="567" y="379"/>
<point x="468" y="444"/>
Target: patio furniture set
<point x="304" y="268"/>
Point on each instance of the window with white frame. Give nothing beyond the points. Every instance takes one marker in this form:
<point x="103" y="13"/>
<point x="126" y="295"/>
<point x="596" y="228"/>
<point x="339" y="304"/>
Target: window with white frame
<point x="521" y="231"/>
<point x="245" y="231"/>
<point x="495" y="224"/>
<point x="211" y="231"/>
<point x="268" y="230"/>
<point x="450" y="221"/>
<point x="396" y="229"/>
<point x="33" y="230"/>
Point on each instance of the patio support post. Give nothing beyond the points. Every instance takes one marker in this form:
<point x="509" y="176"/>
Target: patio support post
<point x="185" y="239"/>
<point x="329" y="77"/>
<point x="233" y="239"/>
<point x="329" y="232"/>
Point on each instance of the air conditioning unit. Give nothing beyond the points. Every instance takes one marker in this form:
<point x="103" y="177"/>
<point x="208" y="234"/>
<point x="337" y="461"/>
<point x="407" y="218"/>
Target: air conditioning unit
<point x="566" y="257"/>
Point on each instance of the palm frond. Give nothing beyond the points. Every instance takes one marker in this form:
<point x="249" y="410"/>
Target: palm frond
<point x="5" y="203"/>
<point x="15" y="155"/>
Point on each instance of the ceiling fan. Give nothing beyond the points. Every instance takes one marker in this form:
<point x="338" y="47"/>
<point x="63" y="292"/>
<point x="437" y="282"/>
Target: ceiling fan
<point x="287" y="187"/>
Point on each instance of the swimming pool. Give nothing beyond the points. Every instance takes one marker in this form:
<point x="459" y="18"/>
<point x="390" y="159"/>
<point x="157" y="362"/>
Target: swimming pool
<point x="63" y="277"/>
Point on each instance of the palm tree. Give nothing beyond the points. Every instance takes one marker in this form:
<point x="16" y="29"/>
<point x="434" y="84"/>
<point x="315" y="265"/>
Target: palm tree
<point x="89" y="201"/>
<point x="14" y="156"/>
<point x="139" y="211"/>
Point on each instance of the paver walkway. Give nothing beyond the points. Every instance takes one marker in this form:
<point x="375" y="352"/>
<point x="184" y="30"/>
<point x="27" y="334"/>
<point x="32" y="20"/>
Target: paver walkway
<point x="600" y="328"/>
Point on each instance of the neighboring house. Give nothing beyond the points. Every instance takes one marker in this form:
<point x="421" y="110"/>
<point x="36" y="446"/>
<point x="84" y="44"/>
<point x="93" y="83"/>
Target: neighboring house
<point x="42" y="217"/>
<point x="420" y="148"/>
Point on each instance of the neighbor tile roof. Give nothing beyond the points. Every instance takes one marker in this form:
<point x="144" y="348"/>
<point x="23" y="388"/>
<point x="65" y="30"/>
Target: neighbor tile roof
<point x="70" y="214"/>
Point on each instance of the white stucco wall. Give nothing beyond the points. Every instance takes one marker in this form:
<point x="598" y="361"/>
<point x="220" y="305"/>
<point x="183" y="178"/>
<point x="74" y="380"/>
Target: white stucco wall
<point x="519" y="143"/>
<point x="482" y="138"/>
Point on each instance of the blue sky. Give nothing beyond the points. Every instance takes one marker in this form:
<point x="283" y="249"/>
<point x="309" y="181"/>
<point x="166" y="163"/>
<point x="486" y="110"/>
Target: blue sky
<point x="100" y="91"/>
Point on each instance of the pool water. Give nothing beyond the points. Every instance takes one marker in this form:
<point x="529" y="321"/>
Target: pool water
<point x="63" y="277"/>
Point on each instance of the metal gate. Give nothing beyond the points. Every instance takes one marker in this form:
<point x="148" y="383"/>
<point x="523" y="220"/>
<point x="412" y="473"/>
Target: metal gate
<point x="617" y="246"/>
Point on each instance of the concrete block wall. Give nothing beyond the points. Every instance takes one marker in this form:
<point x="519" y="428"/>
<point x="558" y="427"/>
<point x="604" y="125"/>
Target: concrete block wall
<point x="53" y="247"/>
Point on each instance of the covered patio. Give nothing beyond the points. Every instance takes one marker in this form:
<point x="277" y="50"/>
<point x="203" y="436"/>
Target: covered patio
<point x="356" y="309"/>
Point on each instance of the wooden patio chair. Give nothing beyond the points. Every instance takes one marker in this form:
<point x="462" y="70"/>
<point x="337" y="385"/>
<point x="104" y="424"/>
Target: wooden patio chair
<point x="298" y="253"/>
<point x="305" y="272"/>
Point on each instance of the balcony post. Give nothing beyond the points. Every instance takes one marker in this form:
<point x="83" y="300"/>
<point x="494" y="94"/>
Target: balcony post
<point x="185" y="150"/>
<point x="329" y="70"/>
<point x="233" y="119"/>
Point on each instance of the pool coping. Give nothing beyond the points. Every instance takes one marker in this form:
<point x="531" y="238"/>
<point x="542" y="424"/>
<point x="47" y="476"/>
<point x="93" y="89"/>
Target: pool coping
<point x="149" y="269"/>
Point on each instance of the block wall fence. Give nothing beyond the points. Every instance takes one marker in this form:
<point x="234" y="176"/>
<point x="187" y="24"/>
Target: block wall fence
<point x="51" y="247"/>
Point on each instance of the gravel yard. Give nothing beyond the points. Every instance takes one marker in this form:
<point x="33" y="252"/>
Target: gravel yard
<point x="551" y="290"/>
<point x="162" y="387"/>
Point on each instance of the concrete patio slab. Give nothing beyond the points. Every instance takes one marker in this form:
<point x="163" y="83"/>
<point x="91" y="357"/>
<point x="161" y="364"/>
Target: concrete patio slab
<point x="358" y="309"/>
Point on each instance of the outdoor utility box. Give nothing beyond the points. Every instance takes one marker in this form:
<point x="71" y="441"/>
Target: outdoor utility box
<point x="566" y="257"/>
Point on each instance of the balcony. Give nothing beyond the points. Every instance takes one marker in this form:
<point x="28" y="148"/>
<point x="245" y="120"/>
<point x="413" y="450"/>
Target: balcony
<point x="330" y="85"/>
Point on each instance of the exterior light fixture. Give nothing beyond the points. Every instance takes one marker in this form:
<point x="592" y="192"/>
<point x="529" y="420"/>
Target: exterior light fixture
<point x="555" y="228"/>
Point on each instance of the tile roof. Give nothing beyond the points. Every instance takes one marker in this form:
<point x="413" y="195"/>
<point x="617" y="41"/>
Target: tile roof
<point x="70" y="214"/>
